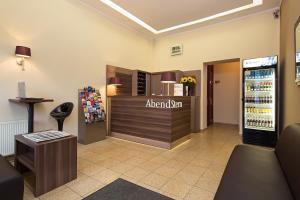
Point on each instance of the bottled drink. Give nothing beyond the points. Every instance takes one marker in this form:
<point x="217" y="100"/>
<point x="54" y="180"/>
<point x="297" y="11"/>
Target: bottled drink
<point x="259" y="122"/>
<point x="263" y="124"/>
<point x="253" y="122"/>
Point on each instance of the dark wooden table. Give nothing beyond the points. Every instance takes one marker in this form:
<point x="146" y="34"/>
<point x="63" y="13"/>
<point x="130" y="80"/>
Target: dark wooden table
<point x="30" y="102"/>
<point x="53" y="163"/>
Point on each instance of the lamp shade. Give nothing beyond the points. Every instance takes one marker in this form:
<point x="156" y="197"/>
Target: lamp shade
<point x="168" y="77"/>
<point x="23" y="51"/>
<point x="114" y="81"/>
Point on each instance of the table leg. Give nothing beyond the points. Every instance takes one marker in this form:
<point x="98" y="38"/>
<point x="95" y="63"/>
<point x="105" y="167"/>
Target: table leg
<point x="30" y="117"/>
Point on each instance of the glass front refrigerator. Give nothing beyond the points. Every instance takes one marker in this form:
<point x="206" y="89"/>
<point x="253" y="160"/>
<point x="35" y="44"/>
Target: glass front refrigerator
<point x="260" y="101"/>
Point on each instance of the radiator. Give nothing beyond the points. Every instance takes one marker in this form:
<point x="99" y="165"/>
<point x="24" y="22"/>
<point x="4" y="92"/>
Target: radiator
<point x="8" y="130"/>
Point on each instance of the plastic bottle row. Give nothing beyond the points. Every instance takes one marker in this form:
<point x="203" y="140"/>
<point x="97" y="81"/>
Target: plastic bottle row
<point x="259" y="122"/>
<point x="255" y="110"/>
<point x="259" y="86"/>
<point x="264" y="99"/>
<point x="259" y="74"/>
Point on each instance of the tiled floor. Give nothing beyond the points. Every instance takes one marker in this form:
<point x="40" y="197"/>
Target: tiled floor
<point x="191" y="171"/>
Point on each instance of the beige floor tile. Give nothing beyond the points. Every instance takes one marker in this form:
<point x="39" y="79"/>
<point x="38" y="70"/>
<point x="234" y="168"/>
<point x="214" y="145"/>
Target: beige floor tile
<point x="176" y="188"/>
<point x="213" y="175"/>
<point x="167" y="171"/>
<point x="108" y="163"/>
<point x="148" y="187"/>
<point x="208" y="184"/>
<point x="135" y="161"/>
<point x="160" y="160"/>
<point x="200" y="162"/>
<point x="199" y="194"/>
<point x="190" y="175"/>
<point x="107" y="176"/>
<point x="194" y="169"/>
<point x="28" y="195"/>
<point x="85" y="185"/>
<point x="154" y="180"/>
<point x="63" y="194"/>
<point x="92" y="169"/>
<point x="98" y="187"/>
<point x="122" y="168"/>
<point x="173" y="163"/>
<point x="137" y="173"/>
<point x="129" y="179"/>
<point x="150" y="166"/>
<point x="82" y="163"/>
<point x="218" y="167"/>
<point x="121" y="157"/>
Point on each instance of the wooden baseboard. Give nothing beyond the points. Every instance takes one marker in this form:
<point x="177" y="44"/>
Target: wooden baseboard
<point x="155" y="143"/>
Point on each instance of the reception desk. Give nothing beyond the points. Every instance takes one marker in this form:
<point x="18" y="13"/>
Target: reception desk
<point x="154" y="120"/>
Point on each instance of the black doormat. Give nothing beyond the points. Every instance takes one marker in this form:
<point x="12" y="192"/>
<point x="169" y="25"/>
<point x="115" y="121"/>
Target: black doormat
<point x="124" y="190"/>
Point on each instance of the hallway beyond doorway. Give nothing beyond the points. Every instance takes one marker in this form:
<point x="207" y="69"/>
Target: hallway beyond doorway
<point x="223" y="92"/>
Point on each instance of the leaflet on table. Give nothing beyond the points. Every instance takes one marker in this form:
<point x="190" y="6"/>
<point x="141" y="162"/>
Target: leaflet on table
<point x="46" y="135"/>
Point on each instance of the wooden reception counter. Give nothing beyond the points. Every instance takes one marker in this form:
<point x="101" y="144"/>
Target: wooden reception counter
<point x="155" y="120"/>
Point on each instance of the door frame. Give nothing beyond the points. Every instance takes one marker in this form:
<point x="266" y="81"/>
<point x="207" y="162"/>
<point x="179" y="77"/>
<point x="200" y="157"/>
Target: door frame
<point x="205" y="64"/>
<point x="210" y="94"/>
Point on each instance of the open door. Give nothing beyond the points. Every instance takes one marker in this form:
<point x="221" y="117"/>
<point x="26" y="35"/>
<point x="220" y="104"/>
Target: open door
<point x="210" y="95"/>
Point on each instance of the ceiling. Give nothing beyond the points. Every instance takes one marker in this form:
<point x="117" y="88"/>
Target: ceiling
<point x="162" y="16"/>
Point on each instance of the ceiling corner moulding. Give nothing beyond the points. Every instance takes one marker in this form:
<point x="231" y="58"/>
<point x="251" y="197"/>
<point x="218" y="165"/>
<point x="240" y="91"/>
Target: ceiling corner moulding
<point x="198" y="21"/>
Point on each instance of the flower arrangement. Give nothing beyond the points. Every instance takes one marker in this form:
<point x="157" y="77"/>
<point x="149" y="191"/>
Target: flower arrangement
<point x="188" y="80"/>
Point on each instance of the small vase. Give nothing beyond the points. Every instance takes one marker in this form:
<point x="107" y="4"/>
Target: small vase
<point x="186" y="90"/>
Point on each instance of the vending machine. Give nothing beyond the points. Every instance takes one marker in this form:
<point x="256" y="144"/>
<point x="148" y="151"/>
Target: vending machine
<point x="260" y="122"/>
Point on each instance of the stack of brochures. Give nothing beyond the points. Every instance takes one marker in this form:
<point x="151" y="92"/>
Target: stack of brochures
<point x="46" y="135"/>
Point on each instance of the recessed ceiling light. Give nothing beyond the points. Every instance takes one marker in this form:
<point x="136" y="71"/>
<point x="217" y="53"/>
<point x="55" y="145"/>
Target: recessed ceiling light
<point x="198" y="21"/>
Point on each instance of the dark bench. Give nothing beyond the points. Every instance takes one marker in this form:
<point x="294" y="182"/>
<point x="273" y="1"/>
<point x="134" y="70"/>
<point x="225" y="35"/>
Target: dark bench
<point x="11" y="182"/>
<point x="254" y="173"/>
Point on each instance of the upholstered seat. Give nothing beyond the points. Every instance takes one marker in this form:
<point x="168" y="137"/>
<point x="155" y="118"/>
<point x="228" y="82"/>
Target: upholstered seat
<point x="254" y="173"/>
<point x="11" y="182"/>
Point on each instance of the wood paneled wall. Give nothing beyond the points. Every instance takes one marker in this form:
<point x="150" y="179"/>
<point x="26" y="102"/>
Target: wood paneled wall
<point x="129" y="115"/>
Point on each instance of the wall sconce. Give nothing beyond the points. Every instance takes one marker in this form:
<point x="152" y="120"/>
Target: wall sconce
<point x="114" y="81"/>
<point x="22" y="52"/>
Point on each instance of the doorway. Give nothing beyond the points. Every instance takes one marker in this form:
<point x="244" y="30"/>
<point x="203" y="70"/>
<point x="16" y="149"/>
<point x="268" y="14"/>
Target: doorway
<point x="210" y="94"/>
<point x="223" y="92"/>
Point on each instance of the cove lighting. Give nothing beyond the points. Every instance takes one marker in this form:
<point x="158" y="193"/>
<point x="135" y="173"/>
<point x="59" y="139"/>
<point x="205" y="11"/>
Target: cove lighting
<point x="198" y="21"/>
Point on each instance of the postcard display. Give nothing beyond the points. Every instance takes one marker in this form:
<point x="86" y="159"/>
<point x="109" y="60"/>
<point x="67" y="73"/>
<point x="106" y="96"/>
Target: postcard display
<point x="91" y="116"/>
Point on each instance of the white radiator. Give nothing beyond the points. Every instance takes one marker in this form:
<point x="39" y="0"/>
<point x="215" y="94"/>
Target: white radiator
<point x="8" y="130"/>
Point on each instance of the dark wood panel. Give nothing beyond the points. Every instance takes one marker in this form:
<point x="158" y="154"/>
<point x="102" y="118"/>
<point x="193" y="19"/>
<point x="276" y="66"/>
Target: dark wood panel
<point x="129" y="115"/>
<point x="126" y="88"/>
<point x="54" y="163"/>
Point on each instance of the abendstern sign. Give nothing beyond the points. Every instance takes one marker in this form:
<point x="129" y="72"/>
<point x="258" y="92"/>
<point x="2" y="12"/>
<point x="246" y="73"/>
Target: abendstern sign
<point x="168" y="104"/>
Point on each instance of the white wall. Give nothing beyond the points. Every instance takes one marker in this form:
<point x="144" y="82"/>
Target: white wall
<point x="227" y="93"/>
<point x="71" y="45"/>
<point x="248" y="37"/>
<point x="298" y="38"/>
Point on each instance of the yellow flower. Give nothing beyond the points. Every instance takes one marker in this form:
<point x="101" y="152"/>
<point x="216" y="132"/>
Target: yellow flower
<point x="190" y="79"/>
<point x="184" y="79"/>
